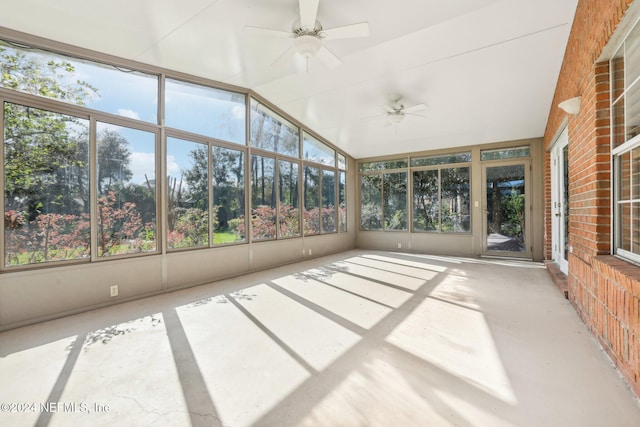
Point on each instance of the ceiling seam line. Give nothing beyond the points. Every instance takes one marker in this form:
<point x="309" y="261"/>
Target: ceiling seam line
<point x="191" y="18"/>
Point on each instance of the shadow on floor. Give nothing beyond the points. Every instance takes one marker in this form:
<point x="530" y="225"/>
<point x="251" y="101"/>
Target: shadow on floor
<point x="359" y="338"/>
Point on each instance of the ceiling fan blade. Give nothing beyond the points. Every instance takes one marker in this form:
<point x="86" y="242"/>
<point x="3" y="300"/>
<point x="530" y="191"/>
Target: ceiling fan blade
<point x="267" y="32"/>
<point x="328" y="58"/>
<point x="285" y="57"/>
<point x="415" y="109"/>
<point x="308" y="13"/>
<point x="347" y="32"/>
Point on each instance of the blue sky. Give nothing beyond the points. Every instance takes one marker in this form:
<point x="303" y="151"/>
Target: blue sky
<point x="134" y="95"/>
<point x="202" y="110"/>
<point x="207" y="111"/>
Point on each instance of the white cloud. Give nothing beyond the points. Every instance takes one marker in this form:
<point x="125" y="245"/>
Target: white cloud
<point x="128" y="113"/>
<point x="172" y="166"/>
<point x="108" y="126"/>
<point x="238" y="112"/>
<point x="142" y="163"/>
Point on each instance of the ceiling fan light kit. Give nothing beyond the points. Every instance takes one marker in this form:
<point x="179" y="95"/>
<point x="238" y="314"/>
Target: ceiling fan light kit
<point x="395" y="118"/>
<point x="308" y="35"/>
<point x="307" y="45"/>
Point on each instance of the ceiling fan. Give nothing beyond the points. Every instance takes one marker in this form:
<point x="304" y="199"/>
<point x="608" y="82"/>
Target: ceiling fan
<point x="308" y="35"/>
<point x="396" y="112"/>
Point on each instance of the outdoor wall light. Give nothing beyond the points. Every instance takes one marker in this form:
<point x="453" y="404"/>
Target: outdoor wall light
<point x="572" y="105"/>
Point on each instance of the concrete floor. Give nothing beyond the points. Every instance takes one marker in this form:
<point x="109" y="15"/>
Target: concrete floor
<point x="357" y="339"/>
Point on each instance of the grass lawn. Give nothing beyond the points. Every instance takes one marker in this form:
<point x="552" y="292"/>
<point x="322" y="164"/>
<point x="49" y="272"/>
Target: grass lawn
<point x="222" y="237"/>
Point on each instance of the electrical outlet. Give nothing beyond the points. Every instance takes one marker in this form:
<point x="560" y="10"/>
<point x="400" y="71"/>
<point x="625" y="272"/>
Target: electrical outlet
<point x="309" y="252"/>
<point x="114" y="291"/>
<point x="399" y="245"/>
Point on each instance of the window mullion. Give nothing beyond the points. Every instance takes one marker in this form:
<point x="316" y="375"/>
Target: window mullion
<point x="440" y="200"/>
<point x="93" y="187"/>
<point x="2" y="185"/>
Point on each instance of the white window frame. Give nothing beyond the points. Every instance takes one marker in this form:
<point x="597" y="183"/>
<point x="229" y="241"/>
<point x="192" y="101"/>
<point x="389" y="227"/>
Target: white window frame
<point x="618" y="152"/>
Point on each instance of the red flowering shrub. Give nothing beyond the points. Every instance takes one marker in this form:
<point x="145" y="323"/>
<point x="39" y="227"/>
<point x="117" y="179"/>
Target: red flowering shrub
<point x="50" y="237"/>
<point x="311" y="221"/>
<point x="191" y="228"/>
<point x="120" y="228"/>
<point x="263" y="222"/>
<point x="289" y="218"/>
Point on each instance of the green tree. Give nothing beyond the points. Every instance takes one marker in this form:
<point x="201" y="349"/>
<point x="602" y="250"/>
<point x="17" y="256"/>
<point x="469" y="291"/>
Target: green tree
<point x="395" y="200"/>
<point x="371" y="202"/>
<point x="21" y="72"/>
<point x="46" y="166"/>
<point x="426" y="206"/>
<point x="228" y="181"/>
<point x="196" y="178"/>
<point x="114" y="158"/>
<point x="46" y="153"/>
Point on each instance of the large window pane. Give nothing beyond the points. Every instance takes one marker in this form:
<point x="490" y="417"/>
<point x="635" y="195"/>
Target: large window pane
<point x="228" y="195"/>
<point x="126" y="183"/>
<point x="618" y="129"/>
<point x="263" y="198"/>
<point x="625" y="123"/>
<point x="342" y="201"/>
<point x="187" y="194"/>
<point x="454" y="191"/>
<point x="395" y="201"/>
<point x="623" y="166"/>
<point x="102" y="87"/>
<point x="632" y="56"/>
<point x="632" y="113"/>
<point x="46" y="186"/>
<point x="270" y="131"/>
<point x="635" y="228"/>
<point x="208" y="111"/>
<point x="617" y="74"/>
<point x="426" y="203"/>
<point x="311" y="183"/>
<point x="505" y="202"/>
<point x="624" y="220"/>
<point x="289" y="189"/>
<point x="317" y="151"/>
<point x="635" y="173"/>
<point x="624" y="176"/>
<point x="371" y="202"/>
<point x="328" y="201"/>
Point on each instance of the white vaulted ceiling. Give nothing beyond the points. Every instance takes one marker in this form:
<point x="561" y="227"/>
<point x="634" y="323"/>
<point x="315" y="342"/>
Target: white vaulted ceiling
<point x="486" y="69"/>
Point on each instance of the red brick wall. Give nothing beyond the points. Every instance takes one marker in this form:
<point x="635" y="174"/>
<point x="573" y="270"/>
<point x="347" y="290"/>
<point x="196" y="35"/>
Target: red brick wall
<point x="610" y="303"/>
<point x="603" y="289"/>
